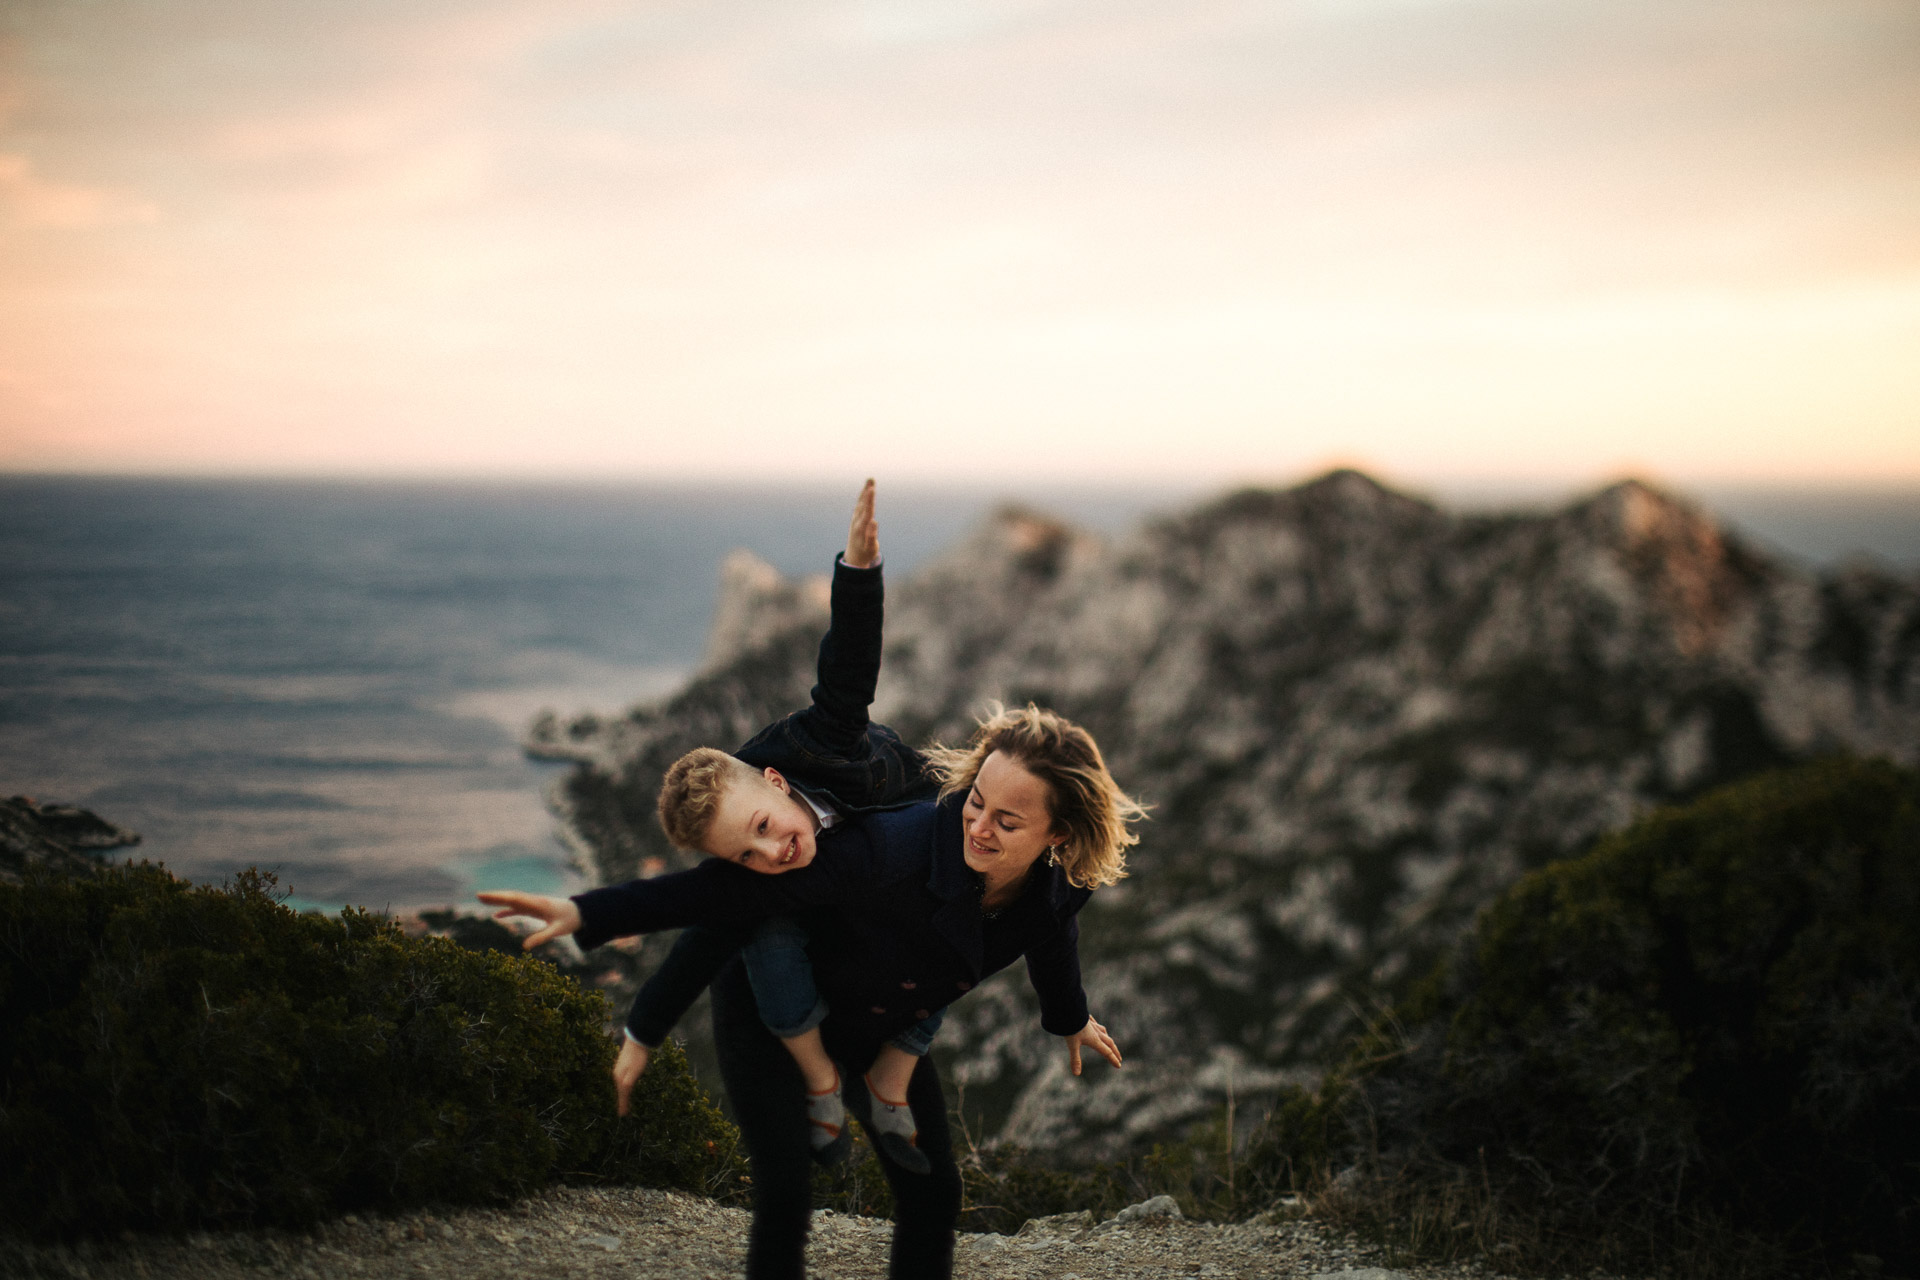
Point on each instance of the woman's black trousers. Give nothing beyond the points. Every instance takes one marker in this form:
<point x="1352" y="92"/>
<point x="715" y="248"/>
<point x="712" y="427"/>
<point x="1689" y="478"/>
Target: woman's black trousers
<point x="769" y="1102"/>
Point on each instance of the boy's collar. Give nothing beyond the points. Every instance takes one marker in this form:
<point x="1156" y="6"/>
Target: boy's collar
<point x="824" y="814"/>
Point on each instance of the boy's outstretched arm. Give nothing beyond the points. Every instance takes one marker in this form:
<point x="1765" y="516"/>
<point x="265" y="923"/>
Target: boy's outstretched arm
<point x="559" y="916"/>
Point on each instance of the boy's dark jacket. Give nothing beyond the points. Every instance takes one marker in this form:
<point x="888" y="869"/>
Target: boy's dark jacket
<point x="892" y="868"/>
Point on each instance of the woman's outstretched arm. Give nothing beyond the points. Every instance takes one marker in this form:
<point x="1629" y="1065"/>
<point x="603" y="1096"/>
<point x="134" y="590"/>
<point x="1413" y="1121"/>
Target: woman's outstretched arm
<point x="1053" y="966"/>
<point x="1093" y="1036"/>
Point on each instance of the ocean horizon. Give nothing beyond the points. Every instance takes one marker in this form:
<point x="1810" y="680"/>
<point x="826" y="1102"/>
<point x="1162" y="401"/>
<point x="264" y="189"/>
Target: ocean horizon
<point x="329" y="679"/>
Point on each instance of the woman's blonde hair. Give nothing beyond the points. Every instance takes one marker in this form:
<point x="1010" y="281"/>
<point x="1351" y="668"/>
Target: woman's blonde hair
<point x="1084" y="800"/>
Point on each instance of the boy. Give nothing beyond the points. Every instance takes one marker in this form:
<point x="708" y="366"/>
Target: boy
<point x="763" y="807"/>
<point x="717" y="804"/>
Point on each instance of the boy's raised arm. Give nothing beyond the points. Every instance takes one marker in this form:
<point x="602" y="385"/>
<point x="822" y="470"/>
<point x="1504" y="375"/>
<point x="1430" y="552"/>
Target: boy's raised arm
<point x="849" y="665"/>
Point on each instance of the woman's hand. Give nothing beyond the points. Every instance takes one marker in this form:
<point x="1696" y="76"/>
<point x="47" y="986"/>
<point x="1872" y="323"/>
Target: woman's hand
<point x="559" y="915"/>
<point x="863" y="535"/>
<point x="627" y="1070"/>
<point x="1095" y="1037"/>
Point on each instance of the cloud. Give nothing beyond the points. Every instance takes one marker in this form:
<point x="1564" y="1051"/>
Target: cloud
<point x="33" y="201"/>
<point x="462" y="230"/>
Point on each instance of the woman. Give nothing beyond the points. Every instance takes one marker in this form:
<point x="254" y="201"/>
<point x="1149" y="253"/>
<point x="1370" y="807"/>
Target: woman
<point x="908" y="908"/>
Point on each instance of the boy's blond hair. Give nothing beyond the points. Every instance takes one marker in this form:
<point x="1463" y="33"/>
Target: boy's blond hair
<point x="690" y="794"/>
<point x="1083" y="799"/>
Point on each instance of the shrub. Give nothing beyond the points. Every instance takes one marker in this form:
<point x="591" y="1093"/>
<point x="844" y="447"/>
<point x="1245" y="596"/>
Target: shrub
<point x="187" y="1055"/>
<point x="1704" y="1034"/>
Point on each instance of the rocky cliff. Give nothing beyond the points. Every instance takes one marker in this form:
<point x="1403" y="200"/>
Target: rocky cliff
<point x="57" y="836"/>
<point x="1358" y="716"/>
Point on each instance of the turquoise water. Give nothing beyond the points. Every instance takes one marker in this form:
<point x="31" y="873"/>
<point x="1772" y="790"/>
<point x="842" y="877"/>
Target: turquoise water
<point x="328" y="680"/>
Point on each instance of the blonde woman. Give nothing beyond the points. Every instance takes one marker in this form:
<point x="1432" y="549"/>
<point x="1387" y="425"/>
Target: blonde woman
<point x="908" y="909"/>
<point x="908" y="903"/>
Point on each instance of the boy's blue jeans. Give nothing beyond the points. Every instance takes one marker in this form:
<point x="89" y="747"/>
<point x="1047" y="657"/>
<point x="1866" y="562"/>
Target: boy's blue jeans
<point x="789" y="1004"/>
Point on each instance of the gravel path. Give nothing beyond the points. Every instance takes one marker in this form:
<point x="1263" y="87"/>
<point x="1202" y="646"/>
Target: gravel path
<point x="639" y="1234"/>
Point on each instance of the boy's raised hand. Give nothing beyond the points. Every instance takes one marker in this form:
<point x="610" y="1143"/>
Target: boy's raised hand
<point x="863" y="534"/>
<point x="559" y="915"/>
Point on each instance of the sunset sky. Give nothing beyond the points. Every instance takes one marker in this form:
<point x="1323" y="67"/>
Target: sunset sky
<point x="1017" y="238"/>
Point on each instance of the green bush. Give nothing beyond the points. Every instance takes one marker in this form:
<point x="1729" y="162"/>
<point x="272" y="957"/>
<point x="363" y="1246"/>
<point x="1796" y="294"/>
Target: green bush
<point x="1705" y="1033"/>
<point x="187" y="1055"/>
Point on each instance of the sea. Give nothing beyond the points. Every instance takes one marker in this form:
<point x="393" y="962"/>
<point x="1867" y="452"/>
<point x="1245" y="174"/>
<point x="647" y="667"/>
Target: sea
<point x="328" y="680"/>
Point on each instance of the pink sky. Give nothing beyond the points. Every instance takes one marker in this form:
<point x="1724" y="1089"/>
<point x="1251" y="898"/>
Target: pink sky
<point x="1441" y="238"/>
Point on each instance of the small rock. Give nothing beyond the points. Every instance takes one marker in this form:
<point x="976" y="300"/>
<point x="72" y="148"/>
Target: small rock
<point x="610" y="1243"/>
<point x="1059" y="1226"/>
<point x="1364" y="1273"/>
<point x="988" y="1242"/>
<point x="1158" y="1207"/>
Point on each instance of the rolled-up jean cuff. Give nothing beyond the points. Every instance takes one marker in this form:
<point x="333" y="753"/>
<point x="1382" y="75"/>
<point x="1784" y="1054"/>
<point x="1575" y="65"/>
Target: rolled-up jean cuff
<point x="815" y="1016"/>
<point x="918" y="1038"/>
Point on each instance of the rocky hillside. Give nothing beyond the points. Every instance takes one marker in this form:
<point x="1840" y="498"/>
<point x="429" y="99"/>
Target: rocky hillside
<point x="1359" y="716"/>
<point x="57" y="836"/>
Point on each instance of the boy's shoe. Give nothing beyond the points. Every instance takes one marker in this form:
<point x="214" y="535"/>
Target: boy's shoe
<point x="827" y="1136"/>
<point x="834" y="1150"/>
<point x="891" y="1126"/>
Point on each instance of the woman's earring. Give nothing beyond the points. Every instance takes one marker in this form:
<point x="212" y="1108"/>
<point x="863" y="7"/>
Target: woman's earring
<point x="1053" y="855"/>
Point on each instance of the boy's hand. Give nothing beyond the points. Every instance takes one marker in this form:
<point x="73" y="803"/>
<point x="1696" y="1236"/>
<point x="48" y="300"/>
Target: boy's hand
<point x="627" y="1070"/>
<point x="863" y="535"/>
<point x="559" y="915"/>
<point x="1095" y="1037"/>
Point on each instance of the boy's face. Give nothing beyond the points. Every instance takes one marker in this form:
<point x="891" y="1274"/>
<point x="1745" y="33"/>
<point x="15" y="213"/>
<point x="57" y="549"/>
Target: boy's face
<point x="761" y="825"/>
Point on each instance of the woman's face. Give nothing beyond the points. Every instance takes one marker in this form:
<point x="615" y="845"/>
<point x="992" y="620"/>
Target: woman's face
<point x="1008" y="819"/>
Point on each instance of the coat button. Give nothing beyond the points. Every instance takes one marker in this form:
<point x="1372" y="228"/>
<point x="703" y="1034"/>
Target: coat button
<point x="908" y="986"/>
<point x="922" y="1014"/>
<point x="879" y="1008"/>
<point x="964" y="986"/>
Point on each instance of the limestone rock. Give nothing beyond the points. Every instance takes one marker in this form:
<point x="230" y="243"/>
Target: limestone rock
<point x="54" y="835"/>
<point x="1059" y="1226"/>
<point x="1158" y="1207"/>
<point x="1358" y="717"/>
